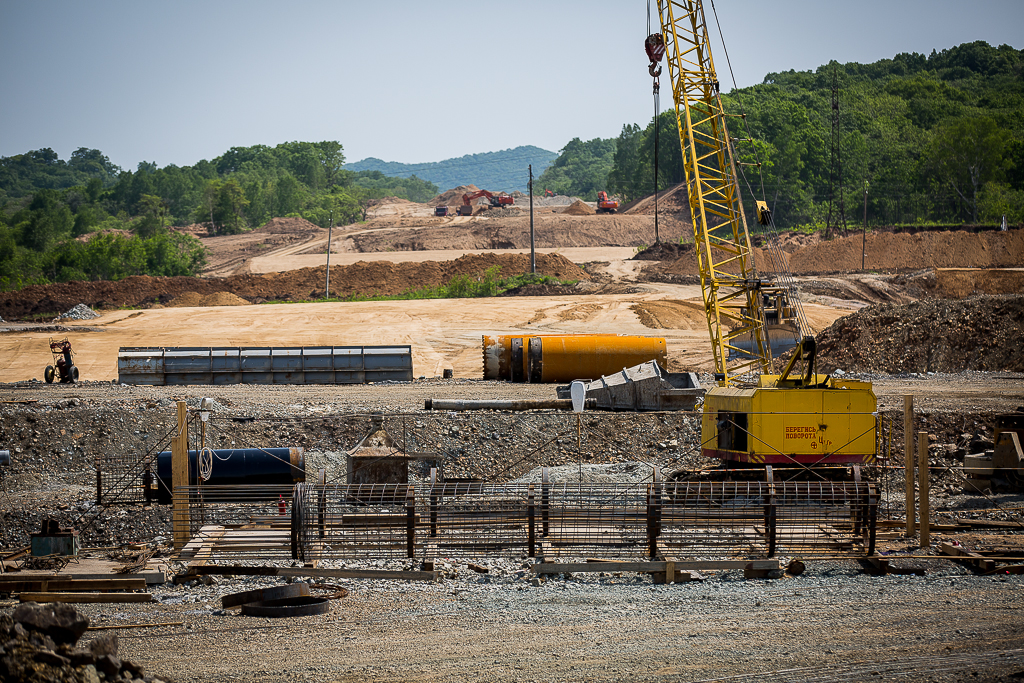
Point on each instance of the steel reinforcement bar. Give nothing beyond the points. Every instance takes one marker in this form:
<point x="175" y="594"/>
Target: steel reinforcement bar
<point x="679" y="519"/>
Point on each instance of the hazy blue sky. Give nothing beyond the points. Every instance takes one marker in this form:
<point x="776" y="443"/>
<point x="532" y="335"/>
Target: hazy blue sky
<point x="175" y="82"/>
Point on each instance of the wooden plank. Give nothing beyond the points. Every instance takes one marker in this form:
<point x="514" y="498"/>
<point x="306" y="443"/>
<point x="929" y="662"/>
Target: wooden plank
<point x="924" y="503"/>
<point x="85" y="597"/>
<point x="908" y="460"/>
<point x="205" y="553"/>
<point x="989" y="524"/>
<point x="333" y="573"/>
<point x="180" y="513"/>
<point x="151" y="578"/>
<point x="979" y="561"/>
<point x="61" y="584"/>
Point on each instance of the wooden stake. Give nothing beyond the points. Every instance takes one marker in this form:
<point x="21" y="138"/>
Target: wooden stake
<point x="908" y="451"/>
<point x="922" y="465"/>
<point x="180" y="521"/>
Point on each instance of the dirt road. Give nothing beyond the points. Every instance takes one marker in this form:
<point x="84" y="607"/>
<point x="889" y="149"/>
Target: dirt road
<point x="444" y="333"/>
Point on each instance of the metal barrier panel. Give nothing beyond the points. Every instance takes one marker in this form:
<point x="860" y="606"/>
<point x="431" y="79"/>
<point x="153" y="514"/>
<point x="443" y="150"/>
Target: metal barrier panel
<point x="265" y="365"/>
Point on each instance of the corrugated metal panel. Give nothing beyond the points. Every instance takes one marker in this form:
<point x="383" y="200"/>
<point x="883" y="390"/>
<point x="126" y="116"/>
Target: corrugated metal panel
<point x="255" y="359"/>
<point x="288" y="359"/>
<point x="264" y="365"/>
<point x="318" y="358"/>
<point x="225" y="359"/>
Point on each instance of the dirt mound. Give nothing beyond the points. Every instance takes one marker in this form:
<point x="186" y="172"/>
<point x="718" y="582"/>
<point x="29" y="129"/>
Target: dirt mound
<point x="287" y="226"/>
<point x="196" y="299"/>
<point x="673" y="200"/>
<point x="579" y="208"/>
<point x="981" y="333"/>
<point x="378" y="277"/>
<point x="453" y="197"/>
<point x="913" y="251"/>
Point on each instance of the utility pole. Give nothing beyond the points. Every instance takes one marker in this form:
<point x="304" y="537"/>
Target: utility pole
<point x="864" y="233"/>
<point x="836" y="219"/>
<point x="533" y="253"/>
<point x="330" y="230"/>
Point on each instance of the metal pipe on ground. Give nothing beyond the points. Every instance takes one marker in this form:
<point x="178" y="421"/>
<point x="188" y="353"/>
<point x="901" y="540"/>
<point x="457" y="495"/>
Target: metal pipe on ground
<point x="539" y="404"/>
<point x="246" y="468"/>
<point x="564" y="358"/>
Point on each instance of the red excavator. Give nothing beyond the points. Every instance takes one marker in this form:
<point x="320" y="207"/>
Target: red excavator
<point x="496" y="200"/>
<point x="606" y="204"/>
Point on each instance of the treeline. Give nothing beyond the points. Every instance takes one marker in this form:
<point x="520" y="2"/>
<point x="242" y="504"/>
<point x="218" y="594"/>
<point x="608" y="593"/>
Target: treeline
<point x="49" y="207"/>
<point x="503" y="170"/>
<point x="933" y="139"/>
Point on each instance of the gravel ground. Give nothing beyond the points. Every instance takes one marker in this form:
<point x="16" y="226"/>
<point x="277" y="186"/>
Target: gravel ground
<point x="833" y="623"/>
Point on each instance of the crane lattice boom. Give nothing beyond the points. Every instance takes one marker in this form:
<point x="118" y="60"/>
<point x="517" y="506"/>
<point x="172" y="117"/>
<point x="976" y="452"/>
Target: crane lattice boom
<point x="728" y="276"/>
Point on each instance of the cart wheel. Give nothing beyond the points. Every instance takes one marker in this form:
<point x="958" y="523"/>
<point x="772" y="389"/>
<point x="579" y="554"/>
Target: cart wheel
<point x="48" y="374"/>
<point x="73" y="374"/>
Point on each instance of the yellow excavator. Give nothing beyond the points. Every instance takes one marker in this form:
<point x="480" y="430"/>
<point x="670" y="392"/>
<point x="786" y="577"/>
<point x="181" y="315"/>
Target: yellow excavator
<point x="798" y="418"/>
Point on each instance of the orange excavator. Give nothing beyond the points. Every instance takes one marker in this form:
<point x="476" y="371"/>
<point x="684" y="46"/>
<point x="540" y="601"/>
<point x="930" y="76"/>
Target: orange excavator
<point x="605" y="204"/>
<point x="496" y="200"/>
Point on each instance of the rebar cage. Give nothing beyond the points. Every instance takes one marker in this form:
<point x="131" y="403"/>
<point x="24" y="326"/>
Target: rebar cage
<point x="687" y="519"/>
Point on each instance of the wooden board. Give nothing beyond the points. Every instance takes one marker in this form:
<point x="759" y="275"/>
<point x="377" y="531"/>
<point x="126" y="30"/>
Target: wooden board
<point x="304" y="571"/>
<point x="86" y="597"/>
<point x="9" y="585"/>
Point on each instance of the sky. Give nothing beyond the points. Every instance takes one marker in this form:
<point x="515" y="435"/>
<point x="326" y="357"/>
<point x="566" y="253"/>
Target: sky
<point x="414" y="82"/>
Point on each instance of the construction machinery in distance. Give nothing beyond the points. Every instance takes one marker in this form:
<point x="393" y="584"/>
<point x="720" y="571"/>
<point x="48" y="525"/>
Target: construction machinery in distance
<point x="497" y="200"/>
<point x="63" y="368"/>
<point x="605" y="204"/>
<point x="441" y="211"/>
<point x="798" y="418"/>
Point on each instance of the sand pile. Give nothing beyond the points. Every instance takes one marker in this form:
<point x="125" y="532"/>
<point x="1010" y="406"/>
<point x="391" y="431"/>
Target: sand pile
<point x="579" y="208"/>
<point x="215" y="299"/>
<point x="453" y="197"/>
<point x="936" y="335"/>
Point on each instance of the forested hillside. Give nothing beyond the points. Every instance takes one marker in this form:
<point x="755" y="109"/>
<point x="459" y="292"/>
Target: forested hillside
<point x="936" y="138"/>
<point x="46" y="203"/>
<point x="496" y="171"/>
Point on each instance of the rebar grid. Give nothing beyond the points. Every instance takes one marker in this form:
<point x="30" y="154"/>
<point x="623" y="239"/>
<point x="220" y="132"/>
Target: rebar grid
<point x="683" y="519"/>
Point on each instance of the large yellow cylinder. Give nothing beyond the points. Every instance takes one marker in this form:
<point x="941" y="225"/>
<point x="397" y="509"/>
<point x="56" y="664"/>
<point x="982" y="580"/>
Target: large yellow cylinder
<point x="563" y="358"/>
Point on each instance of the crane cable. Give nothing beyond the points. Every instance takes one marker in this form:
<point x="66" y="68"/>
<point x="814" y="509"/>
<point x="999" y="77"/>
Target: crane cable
<point x="776" y="256"/>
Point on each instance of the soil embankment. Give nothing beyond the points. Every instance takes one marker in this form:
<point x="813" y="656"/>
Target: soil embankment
<point x="378" y="277"/>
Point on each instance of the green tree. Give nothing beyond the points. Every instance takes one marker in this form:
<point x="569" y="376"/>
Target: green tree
<point x="964" y="154"/>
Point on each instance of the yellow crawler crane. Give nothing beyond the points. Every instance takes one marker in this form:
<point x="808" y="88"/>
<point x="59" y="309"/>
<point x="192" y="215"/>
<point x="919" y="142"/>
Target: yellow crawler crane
<point x="800" y="419"/>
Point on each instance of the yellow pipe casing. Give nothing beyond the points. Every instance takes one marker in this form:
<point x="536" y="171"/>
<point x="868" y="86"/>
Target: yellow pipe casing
<point x="564" y="358"/>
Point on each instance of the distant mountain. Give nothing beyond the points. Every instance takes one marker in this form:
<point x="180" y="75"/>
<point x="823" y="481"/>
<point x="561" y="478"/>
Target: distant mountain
<point x="496" y="171"/>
